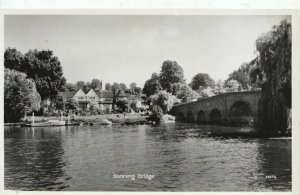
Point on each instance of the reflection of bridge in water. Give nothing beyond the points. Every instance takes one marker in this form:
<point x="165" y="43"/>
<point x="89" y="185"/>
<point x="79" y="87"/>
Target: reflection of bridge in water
<point x="235" y="107"/>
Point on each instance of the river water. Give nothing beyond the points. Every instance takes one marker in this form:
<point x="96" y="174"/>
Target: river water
<point x="168" y="157"/>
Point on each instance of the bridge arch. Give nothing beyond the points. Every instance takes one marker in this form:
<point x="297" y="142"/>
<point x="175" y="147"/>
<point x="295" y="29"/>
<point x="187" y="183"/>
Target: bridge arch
<point x="215" y="115"/>
<point x="240" y="112"/>
<point x="180" y="116"/>
<point x="201" y="116"/>
<point x="190" y="116"/>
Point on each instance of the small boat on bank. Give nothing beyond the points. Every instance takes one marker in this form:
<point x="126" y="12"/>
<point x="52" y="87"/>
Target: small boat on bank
<point x="50" y="123"/>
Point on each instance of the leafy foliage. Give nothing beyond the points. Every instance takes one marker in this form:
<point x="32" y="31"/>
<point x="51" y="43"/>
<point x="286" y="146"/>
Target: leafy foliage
<point x="122" y="104"/>
<point x="116" y="85"/>
<point x="41" y="66"/>
<point x="93" y="107"/>
<point x="184" y="92"/>
<point x="123" y="86"/>
<point x="132" y="85"/>
<point x="58" y="103"/>
<point x="203" y="80"/>
<point x="206" y="92"/>
<point x="80" y="84"/>
<point x="242" y="76"/>
<point x="108" y="86"/>
<point x="233" y="84"/>
<point x="164" y="100"/>
<point x="170" y="73"/>
<point x="96" y="83"/>
<point x="20" y="95"/>
<point x="272" y="70"/>
<point x="152" y="85"/>
<point x="133" y="106"/>
<point x="69" y="87"/>
<point x="72" y="104"/>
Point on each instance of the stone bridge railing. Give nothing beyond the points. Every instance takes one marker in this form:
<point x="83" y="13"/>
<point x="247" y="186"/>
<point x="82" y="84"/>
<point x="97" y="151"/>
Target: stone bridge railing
<point x="234" y="107"/>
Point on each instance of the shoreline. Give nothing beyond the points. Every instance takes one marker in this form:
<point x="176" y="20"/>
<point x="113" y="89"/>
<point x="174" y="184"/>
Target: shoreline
<point x="128" y="118"/>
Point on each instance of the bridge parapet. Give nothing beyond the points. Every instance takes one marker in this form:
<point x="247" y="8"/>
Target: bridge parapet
<point x="234" y="107"/>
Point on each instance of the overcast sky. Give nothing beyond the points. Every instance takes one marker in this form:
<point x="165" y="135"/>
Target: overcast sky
<point x="130" y="48"/>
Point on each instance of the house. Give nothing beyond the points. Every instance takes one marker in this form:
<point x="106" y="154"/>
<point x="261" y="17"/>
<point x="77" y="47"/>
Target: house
<point x="101" y="99"/>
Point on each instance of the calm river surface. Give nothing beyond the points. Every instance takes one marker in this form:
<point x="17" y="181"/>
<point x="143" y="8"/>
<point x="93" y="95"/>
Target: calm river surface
<point x="179" y="156"/>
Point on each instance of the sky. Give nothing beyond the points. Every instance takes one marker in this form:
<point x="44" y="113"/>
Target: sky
<point x="128" y="48"/>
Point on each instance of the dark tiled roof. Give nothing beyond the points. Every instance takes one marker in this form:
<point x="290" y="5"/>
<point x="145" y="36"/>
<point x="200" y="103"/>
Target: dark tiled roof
<point x="104" y="94"/>
<point x="121" y="94"/>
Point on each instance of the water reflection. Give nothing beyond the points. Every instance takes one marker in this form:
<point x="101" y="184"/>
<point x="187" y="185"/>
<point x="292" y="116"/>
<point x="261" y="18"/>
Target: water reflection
<point x="180" y="155"/>
<point x="33" y="159"/>
<point x="274" y="170"/>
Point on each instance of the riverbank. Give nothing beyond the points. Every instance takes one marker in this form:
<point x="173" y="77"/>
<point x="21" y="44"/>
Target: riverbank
<point x="128" y="119"/>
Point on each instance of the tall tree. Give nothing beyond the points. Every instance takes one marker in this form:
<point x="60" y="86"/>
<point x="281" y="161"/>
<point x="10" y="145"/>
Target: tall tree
<point x="69" y="87"/>
<point x="116" y="86"/>
<point x="133" y="85"/>
<point x="152" y="85"/>
<point x="108" y="86"/>
<point x="184" y="92"/>
<point x="41" y="66"/>
<point x="164" y="100"/>
<point x="80" y="84"/>
<point x="20" y="95"/>
<point x="138" y="90"/>
<point x="170" y="73"/>
<point x="272" y="71"/>
<point x="96" y="83"/>
<point x="203" y="80"/>
<point x="242" y="75"/>
<point x="13" y="59"/>
<point x="123" y="86"/>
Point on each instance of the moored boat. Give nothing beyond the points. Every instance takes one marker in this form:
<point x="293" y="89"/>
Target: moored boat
<point x="50" y="123"/>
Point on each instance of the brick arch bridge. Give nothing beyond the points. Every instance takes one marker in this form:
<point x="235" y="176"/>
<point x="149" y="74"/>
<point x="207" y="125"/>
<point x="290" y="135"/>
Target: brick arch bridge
<point x="235" y="107"/>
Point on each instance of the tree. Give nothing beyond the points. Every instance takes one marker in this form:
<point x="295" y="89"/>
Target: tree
<point x="205" y="92"/>
<point x="69" y="87"/>
<point x="20" y="95"/>
<point x="233" y="84"/>
<point x="272" y="70"/>
<point x="72" y="104"/>
<point x="108" y="86"/>
<point x="116" y="86"/>
<point x="184" y="92"/>
<point x="219" y="87"/>
<point x="13" y="59"/>
<point x="45" y="70"/>
<point x="133" y="106"/>
<point x="96" y="83"/>
<point x="58" y="103"/>
<point x="93" y="107"/>
<point x="122" y="105"/>
<point x="132" y="85"/>
<point x="242" y="75"/>
<point x="152" y="85"/>
<point x="80" y="84"/>
<point x="170" y="73"/>
<point x="202" y="79"/>
<point x="164" y="100"/>
<point x="87" y="86"/>
<point x="138" y="90"/>
<point x="123" y="86"/>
